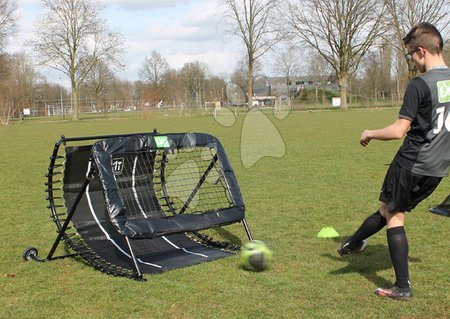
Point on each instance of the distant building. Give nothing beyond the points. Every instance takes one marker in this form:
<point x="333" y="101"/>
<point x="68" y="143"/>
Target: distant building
<point x="263" y="100"/>
<point x="280" y="86"/>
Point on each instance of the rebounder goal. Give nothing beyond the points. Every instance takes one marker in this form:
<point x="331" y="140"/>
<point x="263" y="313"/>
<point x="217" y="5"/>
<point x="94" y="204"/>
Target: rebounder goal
<point x="140" y="203"/>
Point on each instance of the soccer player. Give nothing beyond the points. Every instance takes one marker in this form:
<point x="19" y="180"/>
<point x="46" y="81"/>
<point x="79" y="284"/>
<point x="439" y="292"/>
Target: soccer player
<point x="422" y="160"/>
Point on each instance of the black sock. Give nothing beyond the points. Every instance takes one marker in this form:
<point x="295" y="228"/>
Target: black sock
<point x="373" y="224"/>
<point x="398" y="248"/>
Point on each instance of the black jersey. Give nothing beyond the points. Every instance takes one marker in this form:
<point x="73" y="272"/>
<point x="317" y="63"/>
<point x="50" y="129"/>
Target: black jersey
<point x="426" y="148"/>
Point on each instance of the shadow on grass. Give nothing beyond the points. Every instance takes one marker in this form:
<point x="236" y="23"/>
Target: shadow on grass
<point x="229" y="236"/>
<point x="375" y="259"/>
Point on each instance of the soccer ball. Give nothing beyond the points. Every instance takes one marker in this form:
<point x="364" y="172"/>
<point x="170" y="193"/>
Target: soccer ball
<point x="255" y="256"/>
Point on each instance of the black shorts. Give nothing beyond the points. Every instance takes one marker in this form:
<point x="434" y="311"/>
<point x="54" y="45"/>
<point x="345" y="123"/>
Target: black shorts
<point x="402" y="190"/>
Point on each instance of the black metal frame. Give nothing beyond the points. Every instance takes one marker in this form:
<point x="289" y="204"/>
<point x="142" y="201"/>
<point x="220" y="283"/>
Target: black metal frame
<point x="62" y="224"/>
<point x="442" y="209"/>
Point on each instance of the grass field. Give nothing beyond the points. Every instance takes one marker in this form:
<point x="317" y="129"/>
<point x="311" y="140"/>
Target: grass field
<point x="324" y="179"/>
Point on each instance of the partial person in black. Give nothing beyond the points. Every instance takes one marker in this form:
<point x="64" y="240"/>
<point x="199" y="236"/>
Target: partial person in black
<point x="422" y="160"/>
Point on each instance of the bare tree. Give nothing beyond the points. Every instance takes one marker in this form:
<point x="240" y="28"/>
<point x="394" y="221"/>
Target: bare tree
<point x="194" y="75"/>
<point x="214" y="87"/>
<point x="152" y="75"/>
<point x="405" y="14"/>
<point x="23" y="81"/>
<point x="71" y="37"/>
<point x="18" y="82"/>
<point x="119" y="94"/>
<point x="340" y="31"/>
<point x="98" y="80"/>
<point x="175" y="91"/>
<point x="239" y="78"/>
<point x="154" y="69"/>
<point x="240" y="74"/>
<point x="320" y="70"/>
<point x="7" y="26"/>
<point x="6" y="103"/>
<point x="287" y="63"/>
<point x="7" y="20"/>
<point x="251" y="21"/>
<point x="376" y="72"/>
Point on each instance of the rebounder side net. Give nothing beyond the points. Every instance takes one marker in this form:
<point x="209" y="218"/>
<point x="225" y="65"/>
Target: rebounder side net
<point x="141" y="203"/>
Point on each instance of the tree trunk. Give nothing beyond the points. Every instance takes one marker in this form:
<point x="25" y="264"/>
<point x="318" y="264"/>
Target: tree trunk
<point x="74" y="101"/>
<point x="397" y="88"/>
<point x="343" y="90"/>
<point x="323" y="95"/>
<point x="250" y="85"/>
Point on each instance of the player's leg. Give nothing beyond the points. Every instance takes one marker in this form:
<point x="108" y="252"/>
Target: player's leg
<point x="398" y="249"/>
<point x="408" y="191"/>
<point x="357" y="242"/>
<point x="375" y="222"/>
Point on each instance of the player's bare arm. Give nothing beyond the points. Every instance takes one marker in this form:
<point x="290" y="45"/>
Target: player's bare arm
<point x="392" y="132"/>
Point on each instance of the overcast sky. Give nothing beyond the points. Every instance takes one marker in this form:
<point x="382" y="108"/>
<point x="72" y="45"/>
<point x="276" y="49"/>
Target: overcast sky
<point x="181" y="30"/>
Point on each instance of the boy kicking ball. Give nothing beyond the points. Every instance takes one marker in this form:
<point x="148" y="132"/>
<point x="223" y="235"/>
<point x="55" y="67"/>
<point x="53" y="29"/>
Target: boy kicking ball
<point x="422" y="160"/>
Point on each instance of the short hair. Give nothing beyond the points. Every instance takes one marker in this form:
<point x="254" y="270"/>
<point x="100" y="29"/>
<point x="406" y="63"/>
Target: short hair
<point x="424" y="35"/>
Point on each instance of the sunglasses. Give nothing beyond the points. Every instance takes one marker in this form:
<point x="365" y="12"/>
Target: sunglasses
<point x="409" y="54"/>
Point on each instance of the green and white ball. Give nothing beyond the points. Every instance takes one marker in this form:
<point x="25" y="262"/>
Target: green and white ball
<point x="255" y="256"/>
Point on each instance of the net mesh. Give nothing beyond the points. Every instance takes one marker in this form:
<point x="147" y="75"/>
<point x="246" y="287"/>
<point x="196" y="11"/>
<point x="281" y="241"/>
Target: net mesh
<point x="184" y="181"/>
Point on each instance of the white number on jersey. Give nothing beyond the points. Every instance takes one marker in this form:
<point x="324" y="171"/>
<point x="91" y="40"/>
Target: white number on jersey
<point x="440" y="111"/>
